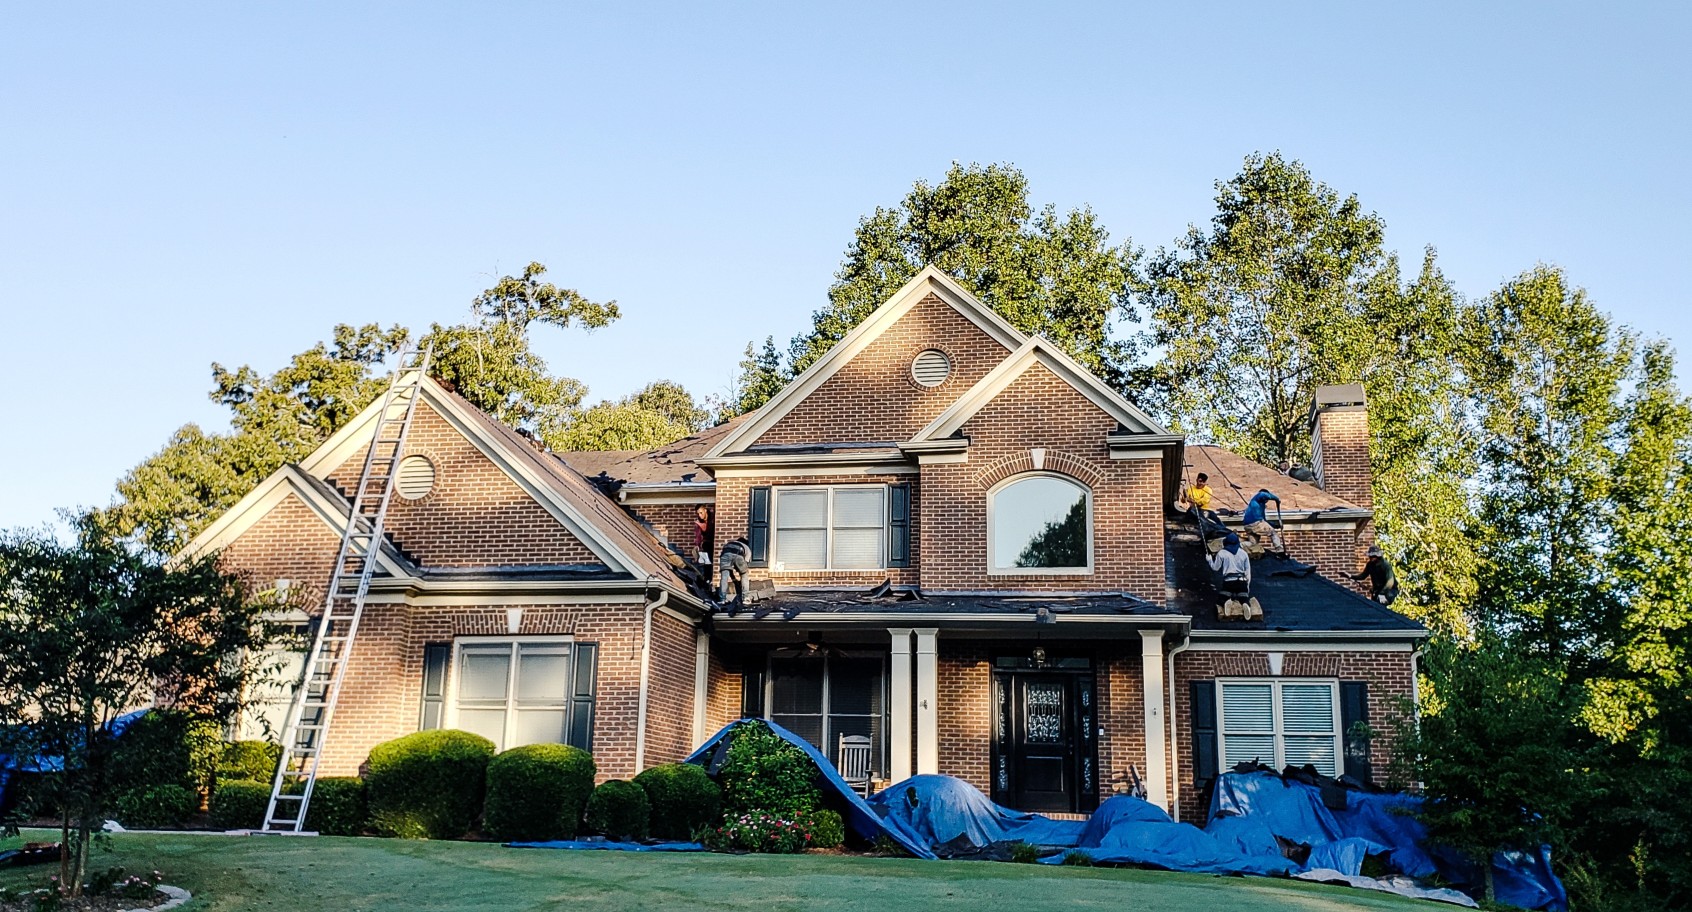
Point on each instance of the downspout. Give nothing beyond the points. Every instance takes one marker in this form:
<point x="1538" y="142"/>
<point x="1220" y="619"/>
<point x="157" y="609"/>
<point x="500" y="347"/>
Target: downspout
<point x="652" y="607"/>
<point x="1174" y="733"/>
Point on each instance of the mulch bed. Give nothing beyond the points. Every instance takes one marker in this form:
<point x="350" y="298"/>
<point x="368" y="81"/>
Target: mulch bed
<point x="89" y="903"/>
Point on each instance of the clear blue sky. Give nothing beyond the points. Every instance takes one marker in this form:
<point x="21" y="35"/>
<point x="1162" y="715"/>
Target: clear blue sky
<point x="183" y="184"/>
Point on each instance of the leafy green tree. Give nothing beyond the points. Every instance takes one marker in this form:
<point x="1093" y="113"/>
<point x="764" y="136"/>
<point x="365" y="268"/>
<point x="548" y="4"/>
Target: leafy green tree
<point x="673" y="401"/>
<point x="661" y="412"/>
<point x="1045" y="272"/>
<point x="95" y="627"/>
<point x="492" y="366"/>
<point x="1061" y="543"/>
<point x="761" y="377"/>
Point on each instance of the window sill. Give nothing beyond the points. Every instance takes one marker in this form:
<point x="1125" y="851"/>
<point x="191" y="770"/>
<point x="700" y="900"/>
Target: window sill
<point x="1047" y="571"/>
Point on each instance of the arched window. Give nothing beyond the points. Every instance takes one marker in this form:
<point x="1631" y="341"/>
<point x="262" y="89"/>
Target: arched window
<point x="1040" y="524"/>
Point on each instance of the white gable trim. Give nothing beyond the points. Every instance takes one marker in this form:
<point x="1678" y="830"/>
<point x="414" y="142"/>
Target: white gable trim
<point x="352" y="439"/>
<point x="929" y="280"/>
<point x="261" y="500"/>
<point x="1039" y="351"/>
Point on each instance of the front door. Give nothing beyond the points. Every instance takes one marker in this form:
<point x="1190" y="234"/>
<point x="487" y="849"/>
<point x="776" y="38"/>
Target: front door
<point x="1044" y="759"/>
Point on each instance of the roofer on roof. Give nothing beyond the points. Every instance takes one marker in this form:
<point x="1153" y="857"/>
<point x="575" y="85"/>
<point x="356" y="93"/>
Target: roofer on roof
<point x="1257" y="523"/>
<point x="1383" y="583"/>
<point x="1234" y="564"/>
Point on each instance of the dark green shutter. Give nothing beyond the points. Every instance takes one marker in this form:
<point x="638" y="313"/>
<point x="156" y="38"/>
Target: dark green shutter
<point x="899" y="525"/>
<point x="758" y="526"/>
<point x="1354" y="714"/>
<point x="435" y="658"/>
<point x="581" y="696"/>
<point x="752" y="694"/>
<point x="1205" y="753"/>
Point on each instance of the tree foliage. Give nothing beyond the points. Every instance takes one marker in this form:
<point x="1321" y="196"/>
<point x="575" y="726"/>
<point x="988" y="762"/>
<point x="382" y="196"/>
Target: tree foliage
<point x="95" y="627"/>
<point x="659" y="413"/>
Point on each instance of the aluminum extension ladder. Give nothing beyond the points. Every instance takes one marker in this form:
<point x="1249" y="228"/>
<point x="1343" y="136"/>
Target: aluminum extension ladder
<point x="314" y="706"/>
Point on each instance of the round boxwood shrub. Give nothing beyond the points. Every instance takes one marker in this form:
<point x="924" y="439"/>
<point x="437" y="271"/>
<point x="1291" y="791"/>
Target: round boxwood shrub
<point x="250" y="761"/>
<point x="338" y="807"/>
<point x="156" y="806"/>
<point x="619" y="810"/>
<point x="764" y="773"/>
<point x="427" y="785"/>
<point x="538" y="792"/>
<point x="828" y="831"/>
<point x="684" y="799"/>
<point x="238" y="804"/>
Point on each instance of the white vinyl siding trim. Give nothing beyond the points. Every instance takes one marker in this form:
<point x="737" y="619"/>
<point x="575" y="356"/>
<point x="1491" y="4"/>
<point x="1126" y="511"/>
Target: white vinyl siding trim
<point x="828" y="527"/>
<point x="1280" y="723"/>
<point x="511" y="690"/>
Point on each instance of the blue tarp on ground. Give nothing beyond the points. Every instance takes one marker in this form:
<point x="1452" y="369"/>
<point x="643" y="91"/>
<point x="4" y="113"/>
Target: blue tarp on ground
<point x="1295" y="812"/>
<point x="1128" y="830"/>
<point x="953" y="819"/>
<point x="11" y="765"/>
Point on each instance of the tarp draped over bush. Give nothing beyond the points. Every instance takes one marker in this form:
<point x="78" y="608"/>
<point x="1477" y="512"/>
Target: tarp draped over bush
<point x="538" y="792"/>
<point x="427" y="785"/>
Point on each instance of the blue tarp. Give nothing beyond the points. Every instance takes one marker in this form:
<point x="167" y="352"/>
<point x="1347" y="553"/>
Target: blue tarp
<point x="1338" y="838"/>
<point x="1128" y="830"/>
<point x="11" y="764"/>
<point x="953" y="818"/>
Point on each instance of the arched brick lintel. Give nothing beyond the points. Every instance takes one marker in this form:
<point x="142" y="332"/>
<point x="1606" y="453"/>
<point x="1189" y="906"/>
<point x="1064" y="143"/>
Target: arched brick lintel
<point x="1057" y="461"/>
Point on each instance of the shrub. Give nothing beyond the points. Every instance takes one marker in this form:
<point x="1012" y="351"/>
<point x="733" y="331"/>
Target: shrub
<point x="620" y="810"/>
<point x="684" y="799"/>
<point x="758" y="831"/>
<point x="152" y="807"/>
<point x="764" y="773"/>
<point x="338" y="807"/>
<point x="166" y="748"/>
<point x="427" y="785"/>
<point x="251" y="761"/>
<point x="238" y="804"/>
<point x="827" y="830"/>
<point x="1024" y="853"/>
<point x="1077" y="858"/>
<point x="538" y="792"/>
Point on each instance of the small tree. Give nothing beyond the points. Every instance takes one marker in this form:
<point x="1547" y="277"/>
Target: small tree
<point x="98" y="627"/>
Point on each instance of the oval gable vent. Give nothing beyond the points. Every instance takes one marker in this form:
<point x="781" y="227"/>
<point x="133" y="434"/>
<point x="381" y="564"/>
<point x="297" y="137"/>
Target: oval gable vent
<point x="416" y="478"/>
<point x="931" y="368"/>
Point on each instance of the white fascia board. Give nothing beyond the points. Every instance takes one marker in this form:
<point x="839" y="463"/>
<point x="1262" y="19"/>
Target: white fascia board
<point x="684" y="493"/>
<point x="1282" y="637"/>
<point x="900" y="303"/>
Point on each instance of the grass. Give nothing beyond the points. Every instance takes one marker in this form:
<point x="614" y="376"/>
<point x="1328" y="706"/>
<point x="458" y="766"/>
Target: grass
<point x="263" y="873"/>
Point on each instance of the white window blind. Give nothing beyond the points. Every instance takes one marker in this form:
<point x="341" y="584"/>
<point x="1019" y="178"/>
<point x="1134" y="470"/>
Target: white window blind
<point x="1280" y="724"/>
<point x="514" y="693"/>
<point x="840" y="528"/>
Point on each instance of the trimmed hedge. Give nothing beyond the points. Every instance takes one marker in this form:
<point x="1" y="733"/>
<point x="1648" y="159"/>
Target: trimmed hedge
<point x="338" y="807"/>
<point x="249" y="761"/>
<point x="828" y="831"/>
<point x="684" y="799"/>
<point x="238" y="804"/>
<point x="427" y="785"/>
<point x="167" y="748"/>
<point x="538" y="792"/>
<point x="619" y="810"/>
<point x="764" y="773"/>
<point x="152" y="807"/>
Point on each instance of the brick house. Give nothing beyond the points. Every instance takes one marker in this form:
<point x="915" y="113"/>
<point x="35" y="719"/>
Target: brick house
<point x="970" y="560"/>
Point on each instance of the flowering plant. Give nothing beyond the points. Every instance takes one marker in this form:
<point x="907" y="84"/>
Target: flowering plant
<point x="760" y="831"/>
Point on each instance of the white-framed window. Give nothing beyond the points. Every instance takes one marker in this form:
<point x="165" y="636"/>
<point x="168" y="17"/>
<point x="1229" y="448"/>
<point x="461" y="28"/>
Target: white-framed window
<point x="1040" y="523"/>
<point x="827" y="697"/>
<point x="829" y="527"/>
<point x="1280" y="723"/>
<point x="512" y="690"/>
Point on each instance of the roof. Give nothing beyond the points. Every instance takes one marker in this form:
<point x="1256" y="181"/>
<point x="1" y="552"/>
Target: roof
<point x="1234" y="479"/>
<point x="668" y="464"/>
<point x="1295" y="598"/>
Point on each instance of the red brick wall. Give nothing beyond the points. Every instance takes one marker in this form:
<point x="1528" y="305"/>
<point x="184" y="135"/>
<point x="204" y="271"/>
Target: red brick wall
<point x="1041" y="410"/>
<point x="669" y="709"/>
<point x="964" y="681"/>
<point x="475" y="516"/>
<point x="672" y="523"/>
<point x="1122" y="713"/>
<point x="722" y="704"/>
<point x="1388" y="675"/>
<point x="873" y="398"/>
<point x="1341" y="445"/>
<point x="290" y="542"/>
<point x="733" y="503"/>
<point x="1336" y="553"/>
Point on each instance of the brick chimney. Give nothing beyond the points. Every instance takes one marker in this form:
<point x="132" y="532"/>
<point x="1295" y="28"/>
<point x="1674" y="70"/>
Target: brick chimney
<point x="1339" y="443"/>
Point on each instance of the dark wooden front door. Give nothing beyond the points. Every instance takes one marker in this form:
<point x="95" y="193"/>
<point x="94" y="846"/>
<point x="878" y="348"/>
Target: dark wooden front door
<point x="1044" y="755"/>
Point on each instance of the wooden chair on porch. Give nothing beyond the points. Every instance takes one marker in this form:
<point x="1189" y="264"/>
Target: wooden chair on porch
<point x="853" y="762"/>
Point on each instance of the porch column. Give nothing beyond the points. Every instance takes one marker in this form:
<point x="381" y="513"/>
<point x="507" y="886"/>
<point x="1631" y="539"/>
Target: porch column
<point x="899" y="709"/>
<point x="701" y="683"/>
<point x="928" y="702"/>
<point x="1157" y="741"/>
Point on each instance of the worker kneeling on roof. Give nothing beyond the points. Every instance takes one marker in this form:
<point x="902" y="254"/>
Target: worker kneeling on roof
<point x="1257" y="521"/>
<point x="1234" y="564"/>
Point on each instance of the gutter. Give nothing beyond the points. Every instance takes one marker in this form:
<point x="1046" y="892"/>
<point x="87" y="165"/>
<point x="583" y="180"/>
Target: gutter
<point x="652" y="605"/>
<point x="1174" y="734"/>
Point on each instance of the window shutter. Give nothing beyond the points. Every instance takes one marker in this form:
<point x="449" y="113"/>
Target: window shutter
<point x="1204" y="732"/>
<point x="758" y="526"/>
<point x="899" y="525"/>
<point x="435" y="658"/>
<point x="752" y="694"/>
<point x="581" y="696"/>
<point x="1354" y="712"/>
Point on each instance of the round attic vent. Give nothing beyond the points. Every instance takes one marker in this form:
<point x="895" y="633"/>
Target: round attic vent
<point x="931" y="368"/>
<point x="416" y="477"/>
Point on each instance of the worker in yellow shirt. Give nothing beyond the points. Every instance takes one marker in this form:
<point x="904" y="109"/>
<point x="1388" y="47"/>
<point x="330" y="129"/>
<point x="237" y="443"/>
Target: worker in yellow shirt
<point x="1198" y="495"/>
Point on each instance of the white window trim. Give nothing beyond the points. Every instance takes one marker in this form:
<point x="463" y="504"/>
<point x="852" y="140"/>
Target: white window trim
<point x="450" y="719"/>
<point x="1280" y="759"/>
<point x="992" y="496"/>
<point x="776" y="563"/>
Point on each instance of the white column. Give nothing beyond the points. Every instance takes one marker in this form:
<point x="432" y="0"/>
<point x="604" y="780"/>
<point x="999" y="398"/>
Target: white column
<point x="701" y="684"/>
<point x="928" y="702"/>
<point x="1157" y="741"/>
<point x="899" y="710"/>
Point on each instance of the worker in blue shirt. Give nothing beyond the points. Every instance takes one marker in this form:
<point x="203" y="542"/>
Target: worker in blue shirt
<point x="1257" y="523"/>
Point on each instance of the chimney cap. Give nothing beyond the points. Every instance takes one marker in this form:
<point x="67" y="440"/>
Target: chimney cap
<point x="1340" y="394"/>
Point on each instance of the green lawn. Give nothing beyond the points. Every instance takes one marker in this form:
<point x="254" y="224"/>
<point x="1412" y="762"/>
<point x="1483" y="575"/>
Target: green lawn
<point x="330" y="874"/>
